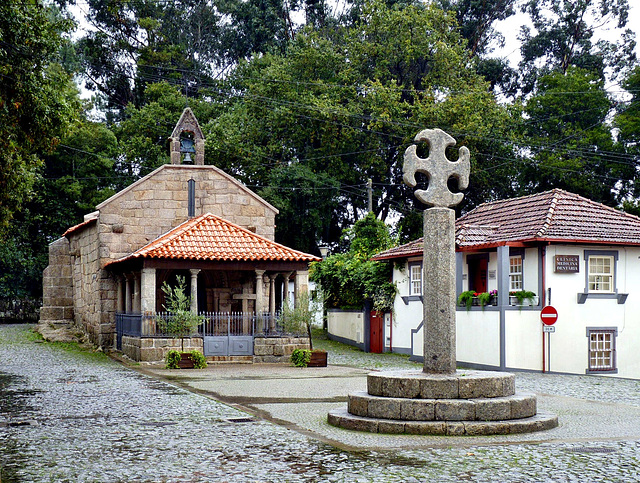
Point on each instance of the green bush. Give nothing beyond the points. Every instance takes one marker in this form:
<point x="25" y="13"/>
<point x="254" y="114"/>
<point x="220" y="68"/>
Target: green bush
<point x="301" y="357"/>
<point x="181" y="321"/>
<point x="199" y="361"/>
<point x="173" y="360"/>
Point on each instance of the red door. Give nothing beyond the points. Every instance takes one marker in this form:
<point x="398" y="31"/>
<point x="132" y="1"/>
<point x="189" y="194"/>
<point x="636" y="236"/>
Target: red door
<point x="478" y="275"/>
<point x="376" y="324"/>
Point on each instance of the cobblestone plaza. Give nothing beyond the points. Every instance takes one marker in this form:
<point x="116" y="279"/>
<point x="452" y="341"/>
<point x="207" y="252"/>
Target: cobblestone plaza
<point x="67" y="415"/>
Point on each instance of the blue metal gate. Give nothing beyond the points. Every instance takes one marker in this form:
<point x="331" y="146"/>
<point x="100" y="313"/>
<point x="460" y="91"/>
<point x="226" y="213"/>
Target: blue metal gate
<point x="228" y="334"/>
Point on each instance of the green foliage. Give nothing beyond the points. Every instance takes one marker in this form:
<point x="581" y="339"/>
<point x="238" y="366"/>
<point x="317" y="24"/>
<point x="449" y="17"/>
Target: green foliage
<point x="300" y="357"/>
<point x="35" y="106"/>
<point x="348" y="279"/>
<point x="522" y="295"/>
<point x="173" y="359"/>
<point x="297" y="320"/>
<point x="199" y="360"/>
<point x="180" y="321"/>
<point x="572" y="145"/>
<point x="563" y="37"/>
<point x="466" y="298"/>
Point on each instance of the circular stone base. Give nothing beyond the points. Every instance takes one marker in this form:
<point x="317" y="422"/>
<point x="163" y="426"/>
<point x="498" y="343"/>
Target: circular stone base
<point x="517" y="406"/>
<point x="464" y="384"/>
<point x="540" y="422"/>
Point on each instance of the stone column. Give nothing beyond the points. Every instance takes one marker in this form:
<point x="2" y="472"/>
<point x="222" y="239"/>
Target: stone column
<point x="148" y="288"/>
<point x="259" y="291"/>
<point x="136" y="293"/>
<point x="194" y="290"/>
<point x="148" y="299"/>
<point x="439" y="291"/>
<point x="120" y="281"/>
<point x="127" y="296"/>
<point x="301" y="285"/>
<point x="272" y="293"/>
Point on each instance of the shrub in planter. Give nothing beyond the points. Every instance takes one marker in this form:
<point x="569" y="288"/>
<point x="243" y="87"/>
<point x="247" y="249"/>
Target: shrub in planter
<point x="177" y="359"/>
<point x="300" y="357"/>
<point x="199" y="360"/>
<point x="173" y="360"/>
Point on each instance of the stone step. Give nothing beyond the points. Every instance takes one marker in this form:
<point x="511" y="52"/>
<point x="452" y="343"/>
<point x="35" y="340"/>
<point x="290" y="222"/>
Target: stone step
<point x="230" y="359"/>
<point x="540" y="422"/>
<point x="517" y="406"/>
<point x="464" y="384"/>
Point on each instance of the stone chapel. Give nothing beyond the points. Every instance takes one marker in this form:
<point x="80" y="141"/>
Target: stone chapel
<point x="183" y="219"/>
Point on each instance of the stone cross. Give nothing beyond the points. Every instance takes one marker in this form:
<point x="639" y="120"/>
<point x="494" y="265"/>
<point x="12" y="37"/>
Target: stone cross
<point x="439" y="262"/>
<point x="438" y="168"/>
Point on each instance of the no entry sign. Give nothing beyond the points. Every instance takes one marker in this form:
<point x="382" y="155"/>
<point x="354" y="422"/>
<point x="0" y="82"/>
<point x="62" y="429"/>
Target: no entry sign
<point x="549" y="315"/>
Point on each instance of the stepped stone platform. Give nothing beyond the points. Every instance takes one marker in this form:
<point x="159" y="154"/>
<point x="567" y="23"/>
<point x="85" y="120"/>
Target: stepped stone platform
<point x="464" y="403"/>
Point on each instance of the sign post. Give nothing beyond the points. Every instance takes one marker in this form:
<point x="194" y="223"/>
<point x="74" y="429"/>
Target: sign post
<point x="549" y="316"/>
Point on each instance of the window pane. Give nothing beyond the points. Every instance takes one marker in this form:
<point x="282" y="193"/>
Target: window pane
<point x="416" y="280"/>
<point x="515" y="273"/>
<point x="601" y="350"/>
<point x="600" y="277"/>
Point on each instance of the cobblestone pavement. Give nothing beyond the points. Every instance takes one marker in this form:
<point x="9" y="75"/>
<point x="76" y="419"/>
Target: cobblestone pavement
<point x="66" y="415"/>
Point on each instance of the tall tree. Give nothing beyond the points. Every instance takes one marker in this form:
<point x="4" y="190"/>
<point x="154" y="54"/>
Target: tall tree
<point x="571" y="144"/>
<point x="34" y="109"/>
<point x="564" y="35"/>
<point x="347" y="105"/>
<point x="627" y="122"/>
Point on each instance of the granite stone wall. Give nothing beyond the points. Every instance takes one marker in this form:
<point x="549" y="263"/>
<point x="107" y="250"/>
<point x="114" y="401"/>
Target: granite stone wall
<point x="159" y="202"/>
<point x="156" y="349"/>
<point x="277" y="349"/>
<point x="57" y="287"/>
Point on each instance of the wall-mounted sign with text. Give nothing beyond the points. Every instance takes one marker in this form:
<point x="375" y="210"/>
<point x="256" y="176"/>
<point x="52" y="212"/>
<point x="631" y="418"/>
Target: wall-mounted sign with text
<point x="567" y="263"/>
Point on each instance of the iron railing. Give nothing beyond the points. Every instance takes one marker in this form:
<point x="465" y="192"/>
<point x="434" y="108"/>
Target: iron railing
<point x="210" y="324"/>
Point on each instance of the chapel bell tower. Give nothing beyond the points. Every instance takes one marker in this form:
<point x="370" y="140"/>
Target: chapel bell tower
<point x="187" y="141"/>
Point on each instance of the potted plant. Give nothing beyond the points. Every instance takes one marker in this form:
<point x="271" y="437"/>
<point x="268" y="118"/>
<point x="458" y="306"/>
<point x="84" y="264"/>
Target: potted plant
<point x="309" y="358"/>
<point x="465" y="299"/>
<point x="179" y="322"/>
<point x="297" y="321"/>
<point x="486" y="298"/>
<point x="186" y="360"/>
<point x="518" y="297"/>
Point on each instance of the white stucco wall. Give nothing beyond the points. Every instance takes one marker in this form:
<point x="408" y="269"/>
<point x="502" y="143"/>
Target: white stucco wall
<point x="478" y="332"/>
<point x="569" y="345"/>
<point x="478" y="337"/>
<point x="346" y="325"/>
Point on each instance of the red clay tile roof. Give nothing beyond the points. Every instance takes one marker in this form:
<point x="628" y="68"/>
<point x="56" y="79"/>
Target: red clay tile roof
<point x="552" y="216"/>
<point x="555" y="215"/>
<point x="209" y="237"/>
<point x="407" y="250"/>
<point x="79" y="226"/>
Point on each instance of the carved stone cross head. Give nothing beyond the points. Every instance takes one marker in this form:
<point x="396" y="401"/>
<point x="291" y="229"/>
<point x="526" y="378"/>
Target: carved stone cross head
<point x="437" y="168"/>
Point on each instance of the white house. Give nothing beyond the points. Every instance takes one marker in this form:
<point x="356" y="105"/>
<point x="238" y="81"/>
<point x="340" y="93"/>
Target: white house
<point x="579" y="256"/>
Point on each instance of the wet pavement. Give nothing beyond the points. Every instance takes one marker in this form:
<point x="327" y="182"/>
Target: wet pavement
<point x="67" y="415"/>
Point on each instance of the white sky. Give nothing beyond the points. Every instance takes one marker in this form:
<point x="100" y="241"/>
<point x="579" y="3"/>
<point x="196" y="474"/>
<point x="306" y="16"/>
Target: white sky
<point x="511" y="27"/>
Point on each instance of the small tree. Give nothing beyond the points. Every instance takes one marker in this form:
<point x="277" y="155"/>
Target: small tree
<point x="181" y="321"/>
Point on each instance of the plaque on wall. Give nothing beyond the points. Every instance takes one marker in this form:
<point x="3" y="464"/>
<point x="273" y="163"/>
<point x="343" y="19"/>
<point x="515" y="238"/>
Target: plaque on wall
<point x="492" y="274"/>
<point x="567" y="263"/>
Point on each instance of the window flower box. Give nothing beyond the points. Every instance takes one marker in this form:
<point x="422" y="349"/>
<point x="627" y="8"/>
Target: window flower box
<point x="532" y="301"/>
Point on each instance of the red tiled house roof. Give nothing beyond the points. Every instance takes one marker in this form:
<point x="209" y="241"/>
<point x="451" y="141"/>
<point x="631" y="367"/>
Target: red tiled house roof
<point x="552" y="216"/>
<point x="211" y="238"/>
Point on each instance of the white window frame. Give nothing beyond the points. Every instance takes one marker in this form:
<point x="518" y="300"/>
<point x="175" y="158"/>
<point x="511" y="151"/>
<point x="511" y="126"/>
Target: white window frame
<point x="415" y="282"/>
<point x="516" y="278"/>
<point x="598" y="278"/>
<point x="601" y="350"/>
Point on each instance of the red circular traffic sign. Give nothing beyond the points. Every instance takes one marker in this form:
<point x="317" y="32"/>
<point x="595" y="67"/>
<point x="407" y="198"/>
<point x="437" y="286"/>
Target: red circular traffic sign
<point x="549" y="315"/>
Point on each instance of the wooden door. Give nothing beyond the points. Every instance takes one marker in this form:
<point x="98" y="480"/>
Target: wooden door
<point x="376" y="332"/>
